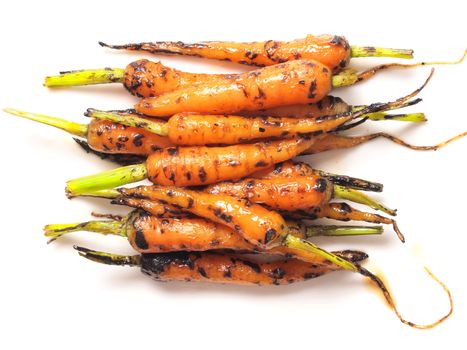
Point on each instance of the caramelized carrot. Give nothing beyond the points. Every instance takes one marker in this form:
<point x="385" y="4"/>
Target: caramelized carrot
<point x="194" y="166"/>
<point x="331" y="50"/>
<point x="152" y="234"/>
<point x="294" y="82"/>
<point x="212" y="267"/>
<point x="256" y="224"/>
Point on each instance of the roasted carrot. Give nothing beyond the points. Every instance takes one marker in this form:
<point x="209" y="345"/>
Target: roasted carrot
<point x="152" y="234"/>
<point x="331" y="50"/>
<point x="295" y="82"/>
<point x="291" y="194"/>
<point x="200" y="129"/>
<point x="194" y="166"/>
<point x="212" y="267"/>
<point x="144" y="78"/>
<point x="228" y="268"/>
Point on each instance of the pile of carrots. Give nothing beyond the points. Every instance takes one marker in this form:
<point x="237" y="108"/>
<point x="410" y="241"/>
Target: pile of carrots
<point x="218" y="149"/>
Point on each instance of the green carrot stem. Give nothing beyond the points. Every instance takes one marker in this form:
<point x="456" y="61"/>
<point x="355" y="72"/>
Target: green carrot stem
<point x="371" y="51"/>
<point x="106" y="180"/>
<point x="359" y="197"/>
<point x="105" y="227"/>
<point x="335" y="230"/>
<point x="86" y="77"/>
<point x="407" y="117"/>
<point x="156" y="127"/>
<point x="108" y="258"/>
<point x="345" y="78"/>
<point x="80" y="130"/>
<point x="301" y="244"/>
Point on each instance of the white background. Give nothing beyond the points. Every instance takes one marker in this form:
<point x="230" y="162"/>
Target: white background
<point x="52" y="297"/>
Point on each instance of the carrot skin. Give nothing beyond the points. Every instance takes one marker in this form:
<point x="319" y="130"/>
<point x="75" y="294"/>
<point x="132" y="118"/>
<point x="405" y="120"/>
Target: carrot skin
<point x="195" y="166"/>
<point x="109" y="137"/>
<point x="199" y="129"/>
<point x="331" y="50"/>
<point x="226" y="268"/>
<point x="300" y="193"/>
<point x="295" y="82"/>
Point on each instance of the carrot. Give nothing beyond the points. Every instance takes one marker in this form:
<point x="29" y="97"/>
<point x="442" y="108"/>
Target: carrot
<point x="282" y="84"/>
<point x="212" y="267"/>
<point x="194" y="166"/>
<point x="152" y="234"/>
<point x="294" y="193"/>
<point x="228" y="268"/>
<point x="144" y="78"/>
<point x="331" y="50"/>
<point x="199" y="129"/>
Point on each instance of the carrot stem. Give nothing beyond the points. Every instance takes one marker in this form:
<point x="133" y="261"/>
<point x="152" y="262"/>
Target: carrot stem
<point x="293" y="242"/>
<point x="156" y="127"/>
<point x="371" y="51"/>
<point x="407" y="117"/>
<point x="86" y="77"/>
<point x="106" y="180"/>
<point x="345" y="78"/>
<point x="335" y="230"/>
<point x="350" y="194"/>
<point x="105" y="227"/>
<point x="108" y="258"/>
<point x="80" y="130"/>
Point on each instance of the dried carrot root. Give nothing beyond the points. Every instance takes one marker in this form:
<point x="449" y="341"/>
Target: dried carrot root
<point x="333" y="141"/>
<point x="331" y="50"/>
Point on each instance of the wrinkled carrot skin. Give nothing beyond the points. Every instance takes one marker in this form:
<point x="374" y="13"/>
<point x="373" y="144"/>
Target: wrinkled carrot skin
<point x="333" y="51"/>
<point x="195" y="166"/>
<point x="301" y="193"/>
<point x="294" y="82"/>
<point x="329" y="105"/>
<point x="199" y="129"/>
<point x="109" y="137"/>
<point x="257" y="225"/>
<point x="226" y="268"/>
<point x="144" y="78"/>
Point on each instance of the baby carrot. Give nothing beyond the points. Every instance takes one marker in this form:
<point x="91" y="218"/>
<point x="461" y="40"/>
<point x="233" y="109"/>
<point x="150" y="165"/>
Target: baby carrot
<point x="152" y="234"/>
<point x="212" y="267"/>
<point x="331" y="50"/>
